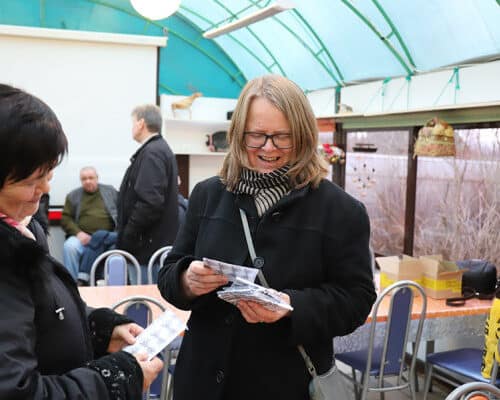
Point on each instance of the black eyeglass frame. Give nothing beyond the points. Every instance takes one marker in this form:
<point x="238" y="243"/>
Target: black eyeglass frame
<point x="266" y="136"/>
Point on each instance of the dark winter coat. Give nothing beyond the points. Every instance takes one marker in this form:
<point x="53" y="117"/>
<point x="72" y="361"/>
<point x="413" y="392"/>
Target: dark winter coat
<point x="48" y="344"/>
<point x="314" y="243"/>
<point x="147" y="202"/>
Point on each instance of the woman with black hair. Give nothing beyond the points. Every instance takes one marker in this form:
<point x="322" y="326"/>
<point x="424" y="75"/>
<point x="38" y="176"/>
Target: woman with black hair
<point x="50" y="343"/>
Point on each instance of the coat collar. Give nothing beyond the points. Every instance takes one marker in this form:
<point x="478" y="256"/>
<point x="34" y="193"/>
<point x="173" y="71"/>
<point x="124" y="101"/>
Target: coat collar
<point x="17" y="251"/>
<point x="143" y="145"/>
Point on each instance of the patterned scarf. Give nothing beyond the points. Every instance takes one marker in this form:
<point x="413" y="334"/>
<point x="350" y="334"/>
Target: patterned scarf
<point x="266" y="189"/>
<point x="19" y="226"/>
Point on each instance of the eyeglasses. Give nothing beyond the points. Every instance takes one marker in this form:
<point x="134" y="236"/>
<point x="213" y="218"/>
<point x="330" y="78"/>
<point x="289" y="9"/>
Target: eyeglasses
<point x="257" y="140"/>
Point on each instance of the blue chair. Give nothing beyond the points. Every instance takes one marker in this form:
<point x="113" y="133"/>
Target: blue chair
<point x="140" y="309"/>
<point x="464" y="363"/>
<point x="388" y="358"/>
<point x="468" y="390"/>
<point x="162" y="253"/>
<point x="115" y="267"/>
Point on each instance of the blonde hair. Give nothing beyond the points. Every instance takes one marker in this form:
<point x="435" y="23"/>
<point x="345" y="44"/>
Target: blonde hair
<point x="307" y="167"/>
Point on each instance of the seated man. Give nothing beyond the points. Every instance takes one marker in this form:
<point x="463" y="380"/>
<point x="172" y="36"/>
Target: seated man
<point x="87" y="209"/>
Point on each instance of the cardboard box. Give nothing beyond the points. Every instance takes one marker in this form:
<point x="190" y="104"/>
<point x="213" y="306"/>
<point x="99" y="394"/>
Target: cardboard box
<point x="440" y="279"/>
<point x="393" y="269"/>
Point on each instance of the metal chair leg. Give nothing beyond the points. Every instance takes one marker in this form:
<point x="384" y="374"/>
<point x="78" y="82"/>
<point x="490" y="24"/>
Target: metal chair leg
<point x="428" y="379"/>
<point x="356" y="388"/>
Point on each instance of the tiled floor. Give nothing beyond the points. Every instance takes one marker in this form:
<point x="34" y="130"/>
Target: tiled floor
<point x="439" y="392"/>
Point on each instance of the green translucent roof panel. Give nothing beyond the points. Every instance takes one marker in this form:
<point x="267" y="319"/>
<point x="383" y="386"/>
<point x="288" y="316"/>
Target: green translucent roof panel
<point x="319" y="44"/>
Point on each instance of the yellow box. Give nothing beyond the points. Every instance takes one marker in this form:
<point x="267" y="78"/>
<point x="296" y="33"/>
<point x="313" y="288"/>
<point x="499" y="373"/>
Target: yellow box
<point x="440" y="279"/>
<point x="394" y="269"/>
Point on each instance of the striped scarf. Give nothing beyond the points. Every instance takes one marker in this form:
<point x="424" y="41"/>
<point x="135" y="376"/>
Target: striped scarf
<point x="266" y="189"/>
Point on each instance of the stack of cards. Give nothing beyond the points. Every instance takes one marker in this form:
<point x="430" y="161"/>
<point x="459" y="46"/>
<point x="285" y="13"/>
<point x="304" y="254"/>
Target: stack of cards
<point x="242" y="289"/>
<point x="157" y="335"/>
<point x="232" y="271"/>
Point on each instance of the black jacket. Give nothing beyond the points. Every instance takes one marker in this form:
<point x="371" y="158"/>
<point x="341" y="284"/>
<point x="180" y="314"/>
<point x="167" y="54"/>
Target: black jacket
<point x="147" y="201"/>
<point x="315" y="248"/>
<point x="48" y="345"/>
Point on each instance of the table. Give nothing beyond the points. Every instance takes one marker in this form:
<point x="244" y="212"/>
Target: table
<point x="106" y="296"/>
<point x="441" y="321"/>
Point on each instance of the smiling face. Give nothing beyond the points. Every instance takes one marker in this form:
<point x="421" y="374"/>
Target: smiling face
<point x="19" y="200"/>
<point x="264" y="117"/>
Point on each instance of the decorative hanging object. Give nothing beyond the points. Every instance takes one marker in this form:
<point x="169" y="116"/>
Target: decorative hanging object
<point x="435" y="139"/>
<point x="364" y="175"/>
<point x="331" y="153"/>
<point x="156" y="9"/>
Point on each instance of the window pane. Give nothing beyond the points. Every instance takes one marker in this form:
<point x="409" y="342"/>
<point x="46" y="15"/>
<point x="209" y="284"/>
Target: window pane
<point x="458" y="199"/>
<point x="378" y="179"/>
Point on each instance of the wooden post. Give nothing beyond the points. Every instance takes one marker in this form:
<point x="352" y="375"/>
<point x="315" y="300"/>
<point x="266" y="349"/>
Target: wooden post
<point x="411" y="194"/>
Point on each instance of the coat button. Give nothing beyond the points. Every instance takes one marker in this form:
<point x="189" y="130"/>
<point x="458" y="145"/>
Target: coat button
<point x="219" y="377"/>
<point x="258" y="262"/>
<point x="229" y="319"/>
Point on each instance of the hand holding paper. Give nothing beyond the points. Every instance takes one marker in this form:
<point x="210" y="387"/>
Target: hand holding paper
<point x="246" y="290"/>
<point x="158" y="335"/>
<point x="232" y="271"/>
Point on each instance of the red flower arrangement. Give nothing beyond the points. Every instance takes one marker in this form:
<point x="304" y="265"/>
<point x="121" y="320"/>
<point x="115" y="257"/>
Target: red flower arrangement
<point x="331" y="153"/>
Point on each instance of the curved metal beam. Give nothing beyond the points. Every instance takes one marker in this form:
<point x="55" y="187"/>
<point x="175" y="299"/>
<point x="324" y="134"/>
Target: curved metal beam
<point x="395" y="31"/>
<point x="233" y="16"/>
<point x="388" y="44"/>
<point x="324" y="49"/>
<point x="266" y="67"/>
<point x="181" y="37"/>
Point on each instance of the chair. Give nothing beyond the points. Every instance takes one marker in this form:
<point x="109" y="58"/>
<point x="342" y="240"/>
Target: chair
<point x="464" y="362"/>
<point x="140" y="309"/>
<point x="115" y="267"/>
<point x="388" y="358"/>
<point x="162" y="253"/>
<point x="474" y="390"/>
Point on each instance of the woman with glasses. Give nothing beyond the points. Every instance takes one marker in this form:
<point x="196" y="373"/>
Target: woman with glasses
<point x="311" y="242"/>
<point x="51" y="345"/>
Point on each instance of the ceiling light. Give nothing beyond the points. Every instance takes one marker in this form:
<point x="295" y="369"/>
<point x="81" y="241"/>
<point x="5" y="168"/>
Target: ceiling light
<point x="156" y="9"/>
<point x="259" y="15"/>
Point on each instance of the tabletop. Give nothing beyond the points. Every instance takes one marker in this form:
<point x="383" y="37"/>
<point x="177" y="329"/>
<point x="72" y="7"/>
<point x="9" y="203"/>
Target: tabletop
<point x="107" y="296"/>
<point x="437" y="308"/>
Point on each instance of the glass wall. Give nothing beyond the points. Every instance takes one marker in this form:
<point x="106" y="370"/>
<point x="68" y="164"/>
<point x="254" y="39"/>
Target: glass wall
<point x="458" y="199"/>
<point x="376" y="169"/>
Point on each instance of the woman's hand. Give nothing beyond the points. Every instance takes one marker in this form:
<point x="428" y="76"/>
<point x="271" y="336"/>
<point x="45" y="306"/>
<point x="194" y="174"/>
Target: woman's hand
<point x="254" y="312"/>
<point x="198" y="279"/>
<point x="122" y="336"/>
<point x="150" y="369"/>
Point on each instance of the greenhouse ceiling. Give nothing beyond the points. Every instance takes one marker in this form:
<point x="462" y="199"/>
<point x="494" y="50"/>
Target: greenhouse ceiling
<point x="319" y="44"/>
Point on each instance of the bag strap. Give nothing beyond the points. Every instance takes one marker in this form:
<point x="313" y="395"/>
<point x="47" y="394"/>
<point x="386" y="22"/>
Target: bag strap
<point x="251" y="249"/>
<point x="253" y="256"/>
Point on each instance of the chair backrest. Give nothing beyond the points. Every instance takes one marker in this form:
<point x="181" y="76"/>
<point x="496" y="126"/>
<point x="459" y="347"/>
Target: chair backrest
<point x="115" y="270"/>
<point x="397" y="328"/>
<point x="116" y="276"/>
<point x="162" y="253"/>
<point x="472" y="389"/>
<point x="141" y="310"/>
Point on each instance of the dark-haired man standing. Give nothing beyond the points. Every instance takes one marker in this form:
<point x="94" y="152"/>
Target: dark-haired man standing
<point x="147" y="202"/>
